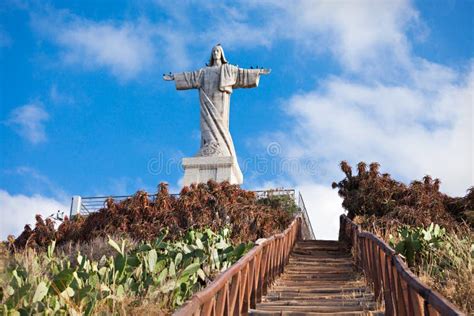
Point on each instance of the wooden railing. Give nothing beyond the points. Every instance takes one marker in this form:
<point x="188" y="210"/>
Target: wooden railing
<point x="402" y="292"/>
<point x="241" y="286"/>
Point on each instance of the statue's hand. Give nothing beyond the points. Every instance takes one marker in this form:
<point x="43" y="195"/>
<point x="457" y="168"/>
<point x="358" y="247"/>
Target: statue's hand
<point x="169" y="77"/>
<point x="265" y="71"/>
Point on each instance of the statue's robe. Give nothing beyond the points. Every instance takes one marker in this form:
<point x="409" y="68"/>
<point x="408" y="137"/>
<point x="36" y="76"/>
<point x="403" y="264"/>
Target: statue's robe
<point x="215" y="85"/>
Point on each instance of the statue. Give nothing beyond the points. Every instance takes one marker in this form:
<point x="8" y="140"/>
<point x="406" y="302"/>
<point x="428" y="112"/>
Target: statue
<point x="216" y="83"/>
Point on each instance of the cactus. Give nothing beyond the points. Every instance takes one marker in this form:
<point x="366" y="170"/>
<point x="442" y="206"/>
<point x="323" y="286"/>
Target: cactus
<point x="163" y="272"/>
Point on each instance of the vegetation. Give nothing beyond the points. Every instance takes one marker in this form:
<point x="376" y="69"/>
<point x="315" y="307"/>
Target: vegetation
<point x="170" y="248"/>
<point x="279" y="201"/>
<point x="163" y="274"/>
<point x="419" y="204"/>
<point x="432" y="231"/>
<point x="417" y="244"/>
<point x="212" y="205"/>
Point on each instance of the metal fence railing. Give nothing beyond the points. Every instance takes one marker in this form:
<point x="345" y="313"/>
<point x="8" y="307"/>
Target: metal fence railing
<point x="275" y="192"/>
<point x="306" y="227"/>
<point x="86" y="205"/>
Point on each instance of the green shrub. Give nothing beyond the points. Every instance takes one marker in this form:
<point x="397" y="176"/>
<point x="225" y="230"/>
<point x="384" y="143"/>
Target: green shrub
<point x="417" y="243"/>
<point x="442" y="259"/>
<point x="279" y="201"/>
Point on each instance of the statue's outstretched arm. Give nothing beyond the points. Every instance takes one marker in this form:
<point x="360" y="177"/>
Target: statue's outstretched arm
<point x="185" y="80"/>
<point x="265" y="71"/>
<point x="169" y="77"/>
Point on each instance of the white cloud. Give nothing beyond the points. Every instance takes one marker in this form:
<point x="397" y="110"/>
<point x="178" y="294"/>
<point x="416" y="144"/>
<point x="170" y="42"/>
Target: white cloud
<point x="409" y="130"/>
<point x="58" y="97"/>
<point x="324" y="207"/>
<point x="388" y="105"/>
<point x="174" y="49"/>
<point x="28" y="121"/>
<point x="18" y="210"/>
<point x="125" y="50"/>
<point x="356" y="34"/>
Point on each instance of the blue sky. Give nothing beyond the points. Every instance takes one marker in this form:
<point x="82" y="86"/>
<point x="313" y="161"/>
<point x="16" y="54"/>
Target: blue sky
<point x="83" y="108"/>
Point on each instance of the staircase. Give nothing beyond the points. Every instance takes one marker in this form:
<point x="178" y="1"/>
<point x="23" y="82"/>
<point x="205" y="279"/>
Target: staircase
<point x="320" y="279"/>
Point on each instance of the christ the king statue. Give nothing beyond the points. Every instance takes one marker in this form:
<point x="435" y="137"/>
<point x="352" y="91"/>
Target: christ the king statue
<point x="216" y="158"/>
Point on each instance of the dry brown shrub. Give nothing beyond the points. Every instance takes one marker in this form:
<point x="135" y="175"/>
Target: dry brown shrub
<point x="376" y="195"/>
<point x="206" y="205"/>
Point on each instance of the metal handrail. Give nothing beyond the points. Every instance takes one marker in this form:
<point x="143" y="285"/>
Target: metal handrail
<point x="239" y="288"/>
<point x="307" y="228"/>
<point x="391" y="279"/>
<point x="274" y="192"/>
<point x="90" y="204"/>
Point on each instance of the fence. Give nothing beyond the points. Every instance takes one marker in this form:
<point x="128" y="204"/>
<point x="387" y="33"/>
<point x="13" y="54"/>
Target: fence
<point x="86" y="205"/>
<point x="402" y="292"/>
<point x="241" y="287"/>
<point x="306" y="227"/>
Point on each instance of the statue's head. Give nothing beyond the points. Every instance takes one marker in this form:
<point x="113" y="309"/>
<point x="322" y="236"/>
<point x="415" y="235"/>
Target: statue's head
<point x="217" y="54"/>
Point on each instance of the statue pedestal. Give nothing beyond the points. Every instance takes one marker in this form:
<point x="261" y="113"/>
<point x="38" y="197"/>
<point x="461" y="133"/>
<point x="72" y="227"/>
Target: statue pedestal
<point x="202" y="169"/>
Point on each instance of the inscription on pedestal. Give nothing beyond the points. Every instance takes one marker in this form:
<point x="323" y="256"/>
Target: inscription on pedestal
<point x="208" y="173"/>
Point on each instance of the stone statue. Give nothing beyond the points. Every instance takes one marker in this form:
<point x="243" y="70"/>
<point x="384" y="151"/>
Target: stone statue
<point x="216" y="82"/>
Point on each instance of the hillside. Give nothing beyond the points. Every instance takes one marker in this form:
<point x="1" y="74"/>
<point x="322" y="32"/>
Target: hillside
<point x="138" y="255"/>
